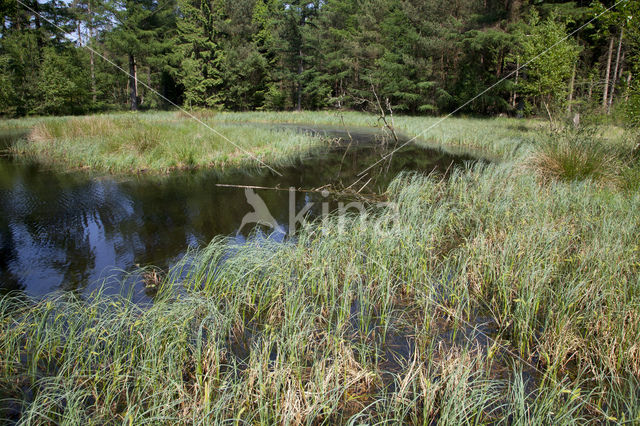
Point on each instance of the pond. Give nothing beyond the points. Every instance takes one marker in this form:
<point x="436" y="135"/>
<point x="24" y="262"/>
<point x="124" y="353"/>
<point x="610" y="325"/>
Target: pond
<point x="73" y="231"/>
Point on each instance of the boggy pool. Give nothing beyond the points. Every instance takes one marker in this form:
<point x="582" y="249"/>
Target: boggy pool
<point x="72" y="231"/>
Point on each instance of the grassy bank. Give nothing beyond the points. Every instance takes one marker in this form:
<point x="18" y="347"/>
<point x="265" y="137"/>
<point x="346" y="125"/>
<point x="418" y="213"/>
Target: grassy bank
<point x="495" y="137"/>
<point x="508" y="293"/>
<point x="348" y="325"/>
<point x="158" y="142"/>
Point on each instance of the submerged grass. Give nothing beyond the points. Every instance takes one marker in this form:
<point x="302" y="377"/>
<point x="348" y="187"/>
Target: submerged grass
<point x="488" y="297"/>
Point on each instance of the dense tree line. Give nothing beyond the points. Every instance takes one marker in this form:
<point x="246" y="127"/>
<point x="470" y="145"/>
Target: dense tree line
<point x="411" y="56"/>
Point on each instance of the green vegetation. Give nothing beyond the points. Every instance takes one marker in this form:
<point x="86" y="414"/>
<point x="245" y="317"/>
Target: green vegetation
<point x="577" y="155"/>
<point x="422" y="56"/>
<point x="506" y="293"/>
<point x="162" y="141"/>
<point x="384" y="319"/>
<point x="157" y="142"/>
<point x="124" y="143"/>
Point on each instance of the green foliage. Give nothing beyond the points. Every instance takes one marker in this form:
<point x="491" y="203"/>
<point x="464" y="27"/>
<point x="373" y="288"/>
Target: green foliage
<point x="19" y="67"/>
<point x="199" y="60"/>
<point x="63" y="83"/>
<point x="422" y="57"/>
<point x="550" y="58"/>
<point x="632" y="108"/>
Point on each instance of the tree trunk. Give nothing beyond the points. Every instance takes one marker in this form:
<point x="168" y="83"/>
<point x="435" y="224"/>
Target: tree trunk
<point x="514" y="9"/>
<point x="515" y="89"/>
<point x="93" y="77"/>
<point x="615" y="70"/>
<point x="605" y="94"/>
<point x="546" y="106"/>
<point x="621" y="71"/>
<point x="299" y="101"/>
<point x="571" y="85"/>
<point x="91" y="60"/>
<point x="133" y="84"/>
<point x="36" y="20"/>
<point x="36" y="15"/>
<point x="626" y="96"/>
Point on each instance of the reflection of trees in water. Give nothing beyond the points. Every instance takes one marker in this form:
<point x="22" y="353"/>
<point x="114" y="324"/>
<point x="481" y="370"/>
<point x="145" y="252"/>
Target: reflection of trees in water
<point x="41" y="213"/>
<point x="75" y="226"/>
<point x="8" y="281"/>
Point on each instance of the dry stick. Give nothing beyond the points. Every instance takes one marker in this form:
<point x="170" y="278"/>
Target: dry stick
<point x="363" y="186"/>
<point x="495" y="84"/>
<point x="356" y="181"/>
<point x="65" y="34"/>
<point x="383" y="116"/>
<point x="393" y="130"/>
<point x="571" y="87"/>
<point x="348" y="146"/>
<point x="548" y="113"/>
<point x="320" y="189"/>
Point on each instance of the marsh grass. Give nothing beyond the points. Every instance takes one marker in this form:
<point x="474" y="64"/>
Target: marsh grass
<point x="488" y="298"/>
<point x="578" y="154"/>
<point x="630" y="180"/>
<point x="158" y="143"/>
<point x="303" y="332"/>
<point x="495" y="138"/>
<point x="79" y="139"/>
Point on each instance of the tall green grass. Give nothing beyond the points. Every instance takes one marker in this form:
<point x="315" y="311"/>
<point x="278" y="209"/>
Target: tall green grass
<point x="486" y="297"/>
<point x="577" y="154"/>
<point x="497" y="138"/>
<point x="350" y="325"/>
<point x="158" y="142"/>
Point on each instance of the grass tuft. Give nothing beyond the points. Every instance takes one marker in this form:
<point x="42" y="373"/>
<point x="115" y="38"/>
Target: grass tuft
<point x="577" y="154"/>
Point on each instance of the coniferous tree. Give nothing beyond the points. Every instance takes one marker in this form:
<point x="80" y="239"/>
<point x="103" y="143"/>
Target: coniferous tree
<point x="200" y="57"/>
<point x="139" y="35"/>
<point x="549" y="57"/>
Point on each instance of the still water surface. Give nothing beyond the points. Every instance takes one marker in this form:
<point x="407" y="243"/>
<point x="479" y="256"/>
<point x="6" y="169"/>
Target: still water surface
<point x="71" y="231"/>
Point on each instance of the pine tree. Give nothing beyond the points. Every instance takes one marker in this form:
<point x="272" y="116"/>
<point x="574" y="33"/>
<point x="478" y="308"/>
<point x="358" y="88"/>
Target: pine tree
<point x="200" y="55"/>
<point x="138" y="35"/>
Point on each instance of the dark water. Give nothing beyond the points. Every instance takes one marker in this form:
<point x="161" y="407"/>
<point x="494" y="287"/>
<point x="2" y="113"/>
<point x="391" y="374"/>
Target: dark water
<point x="70" y="230"/>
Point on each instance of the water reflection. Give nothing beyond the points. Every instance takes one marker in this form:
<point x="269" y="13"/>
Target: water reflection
<point x="69" y="231"/>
